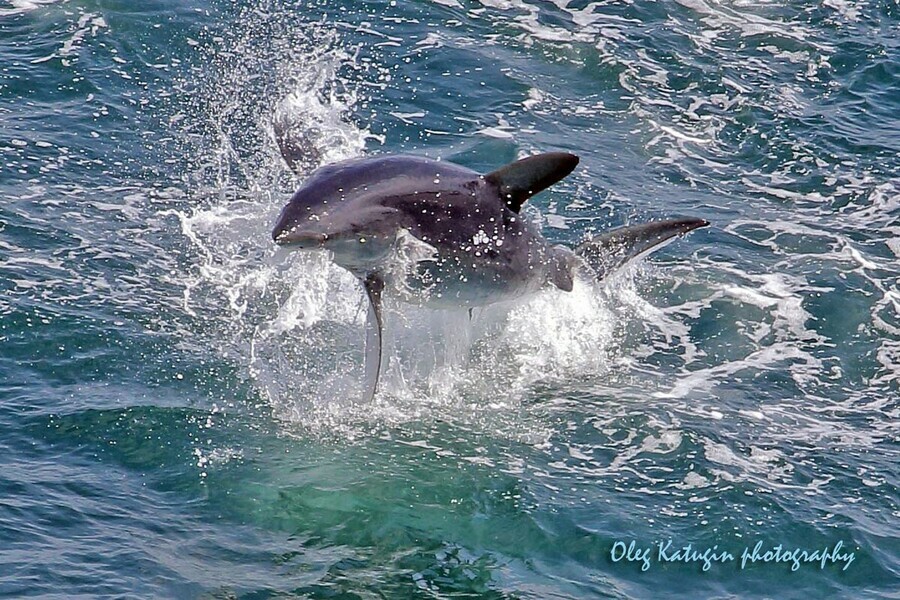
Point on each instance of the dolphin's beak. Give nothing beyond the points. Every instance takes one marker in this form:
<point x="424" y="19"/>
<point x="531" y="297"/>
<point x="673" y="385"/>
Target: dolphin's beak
<point x="297" y="230"/>
<point x="299" y="238"/>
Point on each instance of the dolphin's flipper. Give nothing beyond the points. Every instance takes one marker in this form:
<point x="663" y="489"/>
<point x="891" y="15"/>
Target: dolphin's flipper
<point x="374" y="285"/>
<point x="519" y="181"/>
<point x="613" y="249"/>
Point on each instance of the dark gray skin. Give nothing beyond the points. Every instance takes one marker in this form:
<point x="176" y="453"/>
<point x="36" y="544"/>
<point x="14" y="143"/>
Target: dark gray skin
<point x="439" y="234"/>
<point x="483" y="252"/>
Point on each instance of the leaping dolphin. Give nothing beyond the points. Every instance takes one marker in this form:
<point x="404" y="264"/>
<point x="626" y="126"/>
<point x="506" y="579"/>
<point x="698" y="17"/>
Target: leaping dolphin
<point x="438" y="234"/>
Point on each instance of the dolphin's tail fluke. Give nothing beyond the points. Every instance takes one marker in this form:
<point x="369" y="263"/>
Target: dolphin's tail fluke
<point x="613" y="249"/>
<point x="296" y="141"/>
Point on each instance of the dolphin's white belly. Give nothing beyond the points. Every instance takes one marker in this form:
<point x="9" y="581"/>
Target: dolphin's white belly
<point x="450" y="276"/>
<point x="470" y="277"/>
<point x="466" y="287"/>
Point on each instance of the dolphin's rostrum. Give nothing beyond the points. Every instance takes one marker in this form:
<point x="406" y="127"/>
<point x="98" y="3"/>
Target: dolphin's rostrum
<point x="435" y="233"/>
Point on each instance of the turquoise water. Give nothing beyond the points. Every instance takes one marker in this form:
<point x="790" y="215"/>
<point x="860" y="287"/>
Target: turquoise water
<point x="178" y="413"/>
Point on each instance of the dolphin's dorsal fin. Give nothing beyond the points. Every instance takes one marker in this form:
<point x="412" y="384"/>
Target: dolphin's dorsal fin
<point x="374" y="285"/>
<point x="519" y="181"/>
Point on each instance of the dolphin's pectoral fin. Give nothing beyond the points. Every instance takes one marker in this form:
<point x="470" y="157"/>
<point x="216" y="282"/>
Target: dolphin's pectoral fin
<point x="606" y="253"/>
<point x="519" y="181"/>
<point x="374" y="285"/>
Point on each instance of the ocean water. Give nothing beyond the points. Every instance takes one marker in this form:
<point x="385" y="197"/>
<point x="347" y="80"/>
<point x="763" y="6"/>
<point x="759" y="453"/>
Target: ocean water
<point x="178" y="400"/>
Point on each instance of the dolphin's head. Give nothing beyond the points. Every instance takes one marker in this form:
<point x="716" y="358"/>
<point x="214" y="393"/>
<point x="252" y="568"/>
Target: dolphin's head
<point x="296" y="230"/>
<point x="303" y="222"/>
<point x="333" y="206"/>
<point x="359" y="234"/>
<point x="302" y="229"/>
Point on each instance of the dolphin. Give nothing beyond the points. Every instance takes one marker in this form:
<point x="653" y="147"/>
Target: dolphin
<point x="438" y="234"/>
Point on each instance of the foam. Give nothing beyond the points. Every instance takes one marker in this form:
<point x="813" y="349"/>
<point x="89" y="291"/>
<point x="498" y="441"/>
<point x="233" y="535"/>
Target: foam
<point x="24" y="6"/>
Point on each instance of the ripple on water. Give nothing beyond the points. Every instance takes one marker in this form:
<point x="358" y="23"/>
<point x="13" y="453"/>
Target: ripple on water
<point x="165" y="372"/>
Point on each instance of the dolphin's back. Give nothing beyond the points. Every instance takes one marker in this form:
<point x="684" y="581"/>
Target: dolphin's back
<point x="352" y="178"/>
